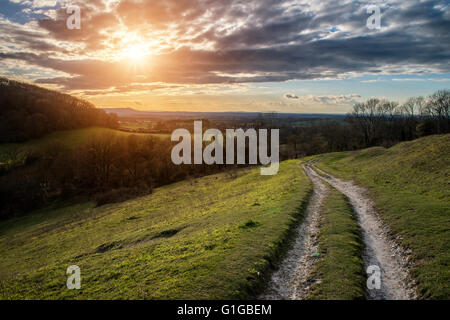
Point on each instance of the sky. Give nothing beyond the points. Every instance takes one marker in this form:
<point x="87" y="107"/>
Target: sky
<point x="229" y="55"/>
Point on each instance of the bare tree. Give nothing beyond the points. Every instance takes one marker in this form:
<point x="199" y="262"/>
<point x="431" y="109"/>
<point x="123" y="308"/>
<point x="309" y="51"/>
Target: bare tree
<point x="365" y="116"/>
<point x="411" y="111"/>
<point x="413" y="107"/>
<point x="438" y="106"/>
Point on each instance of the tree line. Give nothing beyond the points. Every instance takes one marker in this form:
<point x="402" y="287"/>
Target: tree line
<point x="107" y="168"/>
<point x="375" y="122"/>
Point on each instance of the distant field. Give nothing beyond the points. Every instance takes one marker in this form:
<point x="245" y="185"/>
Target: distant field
<point x="410" y="186"/>
<point x="209" y="239"/>
<point x="71" y="138"/>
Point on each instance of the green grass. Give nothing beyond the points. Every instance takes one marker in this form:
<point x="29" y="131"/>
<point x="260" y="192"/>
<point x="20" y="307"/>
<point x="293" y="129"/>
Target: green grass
<point x="70" y="138"/>
<point x="213" y="239"/>
<point x="410" y="186"/>
<point x="340" y="268"/>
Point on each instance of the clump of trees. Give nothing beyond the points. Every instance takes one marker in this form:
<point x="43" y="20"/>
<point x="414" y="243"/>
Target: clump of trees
<point x="387" y="122"/>
<point x="108" y="168"/>
<point x="376" y="122"/>
<point x="28" y="111"/>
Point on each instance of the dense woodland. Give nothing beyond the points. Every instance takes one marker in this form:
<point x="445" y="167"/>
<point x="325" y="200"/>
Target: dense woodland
<point x="28" y="112"/>
<point x="112" y="168"/>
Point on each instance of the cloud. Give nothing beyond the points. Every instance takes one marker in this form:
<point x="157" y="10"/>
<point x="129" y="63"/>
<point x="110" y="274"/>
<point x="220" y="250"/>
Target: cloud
<point x="229" y="41"/>
<point x="290" y="96"/>
<point x="328" y="100"/>
<point x="338" y="100"/>
<point x="371" y="81"/>
<point x="439" y="79"/>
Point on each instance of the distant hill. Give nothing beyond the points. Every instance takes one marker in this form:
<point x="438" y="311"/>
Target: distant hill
<point x="28" y="111"/>
<point x="126" y="112"/>
<point x="133" y="113"/>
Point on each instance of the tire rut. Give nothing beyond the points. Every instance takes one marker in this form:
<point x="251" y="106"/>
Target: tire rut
<point x="380" y="250"/>
<point x="290" y="280"/>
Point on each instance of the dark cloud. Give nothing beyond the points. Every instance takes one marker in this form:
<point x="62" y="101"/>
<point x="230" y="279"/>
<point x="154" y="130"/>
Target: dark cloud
<point x="248" y="41"/>
<point x="94" y="22"/>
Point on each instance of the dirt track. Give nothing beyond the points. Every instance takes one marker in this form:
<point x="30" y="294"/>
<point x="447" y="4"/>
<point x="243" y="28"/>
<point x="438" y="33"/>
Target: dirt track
<point x="380" y="250"/>
<point x="290" y="281"/>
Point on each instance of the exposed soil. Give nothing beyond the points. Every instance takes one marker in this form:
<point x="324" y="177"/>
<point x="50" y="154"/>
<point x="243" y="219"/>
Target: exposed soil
<point x="380" y="250"/>
<point x="290" y="281"/>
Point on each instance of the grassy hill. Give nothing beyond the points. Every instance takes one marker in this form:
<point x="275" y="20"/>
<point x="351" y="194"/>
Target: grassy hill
<point x="410" y="186"/>
<point x="216" y="237"/>
<point x="211" y="238"/>
<point x="70" y="138"/>
<point x="30" y="112"/>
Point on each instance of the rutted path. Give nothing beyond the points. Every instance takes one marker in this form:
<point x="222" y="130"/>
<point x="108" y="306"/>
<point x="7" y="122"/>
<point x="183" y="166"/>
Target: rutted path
<point x="289" y="282"/>
<point x="379" y="249"/>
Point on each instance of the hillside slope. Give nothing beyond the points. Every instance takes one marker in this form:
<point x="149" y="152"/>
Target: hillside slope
<point x="70" y="138"/>
<point x="30" y="112"/>
<point x="410" y="186"/>
<point x="211" y="238"/>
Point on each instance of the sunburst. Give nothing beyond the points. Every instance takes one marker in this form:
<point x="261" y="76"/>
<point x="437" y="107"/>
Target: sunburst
<point x="135" y="53"/>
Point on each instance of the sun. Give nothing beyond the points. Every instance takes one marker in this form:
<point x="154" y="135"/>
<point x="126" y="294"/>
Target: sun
<point x="135" y="53"/>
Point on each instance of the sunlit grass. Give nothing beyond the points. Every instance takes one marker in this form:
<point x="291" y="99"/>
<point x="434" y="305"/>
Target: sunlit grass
<point x="69" y="138"/>
<point x="211" y="239"/>
<point x="339" y="271"/>
<point x="410" y="185"/>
